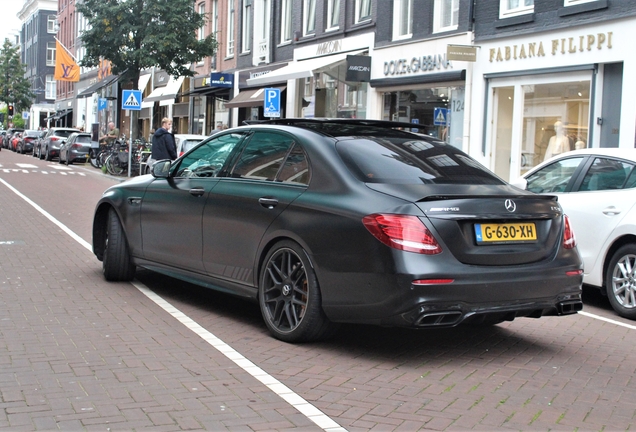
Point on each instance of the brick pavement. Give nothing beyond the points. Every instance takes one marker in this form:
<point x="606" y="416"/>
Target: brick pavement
<point x="77" y="353"/>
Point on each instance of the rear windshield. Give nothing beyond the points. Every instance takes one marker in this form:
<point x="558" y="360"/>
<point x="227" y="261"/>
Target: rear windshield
<point x="411" y="161"/>
<point x="63" y="133"/>
<point x="84" y="139"/>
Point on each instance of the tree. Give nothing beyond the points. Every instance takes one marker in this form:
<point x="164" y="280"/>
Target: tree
<point x="14" y="87"/>
<point x="138" y="34"/>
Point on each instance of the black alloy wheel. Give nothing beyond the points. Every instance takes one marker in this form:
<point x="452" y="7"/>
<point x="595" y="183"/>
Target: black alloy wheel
<point x="289" y="296"/>
<point x="117" y="264"/>
<point x="620" y="281"/>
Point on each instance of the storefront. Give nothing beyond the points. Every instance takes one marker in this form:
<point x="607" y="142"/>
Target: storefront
<point x="249" y="100"/>
<point x="546" y="93"/>
<point x="416" y="83"/>
<point x="89" y="108"/>
<point x="316" y="81"/>
<point x="165" y="101"/>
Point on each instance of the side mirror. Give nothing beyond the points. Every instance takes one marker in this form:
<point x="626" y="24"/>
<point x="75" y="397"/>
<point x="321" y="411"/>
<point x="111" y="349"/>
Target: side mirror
<point x="521" y="183"/>
<point x="161" y="169"/>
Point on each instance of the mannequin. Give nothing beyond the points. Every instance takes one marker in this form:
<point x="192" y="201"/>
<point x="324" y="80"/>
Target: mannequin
<point x="559" y="143"/>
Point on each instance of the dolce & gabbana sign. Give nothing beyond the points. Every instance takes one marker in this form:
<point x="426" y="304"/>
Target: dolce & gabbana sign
<point x="416" y="64"/>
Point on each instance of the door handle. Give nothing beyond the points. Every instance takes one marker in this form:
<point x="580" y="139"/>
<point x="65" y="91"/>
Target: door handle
<point x="611" y="211"/>
<point x="269" y="203"/>
<point x="197" y="192"/>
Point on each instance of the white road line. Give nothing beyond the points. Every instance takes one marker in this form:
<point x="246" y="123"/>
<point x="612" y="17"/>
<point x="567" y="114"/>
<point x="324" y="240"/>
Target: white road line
<point x="611" y="321"/>
<point x="307" y="409"/>
<point x="310" y="411"/>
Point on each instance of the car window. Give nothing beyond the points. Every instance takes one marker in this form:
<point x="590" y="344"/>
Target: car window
<point x="188" y="144"/>
<point x="263" y="156"/>
<point x="605" y="174"/>
<point x="554" y="177"/>
<point x="63" y="133"/>
<point x="296" y="168"/>
<point x="208" y="159"/>
<point x="393" y="160"/>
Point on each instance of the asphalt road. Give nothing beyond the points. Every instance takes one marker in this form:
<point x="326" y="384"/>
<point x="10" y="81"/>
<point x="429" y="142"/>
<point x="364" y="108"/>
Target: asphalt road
<point x="78" y="353"/>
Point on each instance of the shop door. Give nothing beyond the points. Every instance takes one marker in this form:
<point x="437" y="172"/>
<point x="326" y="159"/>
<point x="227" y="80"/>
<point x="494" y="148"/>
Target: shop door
<point x="612" y="91"/>
<point x="501" y="140"/>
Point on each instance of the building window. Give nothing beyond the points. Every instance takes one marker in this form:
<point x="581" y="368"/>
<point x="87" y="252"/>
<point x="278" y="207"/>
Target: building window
<point x="446" y="15"/>
<point x="510" y="8"/>
<point x="202" y="28"/>
<point x="363" y="10"/>
<point x="50" y="53"/>
<point x="402" y="19"/>
<point x="309" y="17"/>
<point x="230" y="29"/>
<point x="51" y="22"/>
<point x="333" y="14"/>
<point x="576" y="2"/>
<point x="246" y="35"/>
<point x="50" y="87"/>
<point x="286" y="21"/>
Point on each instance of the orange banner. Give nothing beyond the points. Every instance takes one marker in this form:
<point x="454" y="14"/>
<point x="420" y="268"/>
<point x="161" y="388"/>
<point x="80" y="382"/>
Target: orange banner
<point x="65" y="67"/>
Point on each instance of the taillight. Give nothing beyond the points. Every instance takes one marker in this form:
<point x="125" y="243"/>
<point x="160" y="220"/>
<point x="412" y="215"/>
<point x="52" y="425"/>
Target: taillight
<point x="402" y="232"/>
<point x="569" y="239"/>
<point x="76" y="146"/>
<point x="54" y="138"/>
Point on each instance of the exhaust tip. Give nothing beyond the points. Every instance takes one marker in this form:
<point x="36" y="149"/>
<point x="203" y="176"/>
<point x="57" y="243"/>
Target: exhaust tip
<point x="569" y="307"/>
<point x="446" y="318"/>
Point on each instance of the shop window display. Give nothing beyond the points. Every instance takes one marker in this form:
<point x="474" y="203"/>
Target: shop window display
<point x="439" y="111"/>
<point x="555" y="120"/>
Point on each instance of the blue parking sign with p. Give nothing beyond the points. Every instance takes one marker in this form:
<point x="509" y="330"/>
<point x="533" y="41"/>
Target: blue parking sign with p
<point x="271" y="102"/>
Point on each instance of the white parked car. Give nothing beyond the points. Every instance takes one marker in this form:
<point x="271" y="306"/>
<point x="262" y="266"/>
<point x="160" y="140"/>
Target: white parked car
<point x="185" y="142"/>
<point x="597" y="190"/>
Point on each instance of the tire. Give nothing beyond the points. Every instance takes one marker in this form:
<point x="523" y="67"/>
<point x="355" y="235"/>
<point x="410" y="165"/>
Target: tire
<point x="620" y="281"/>
<point x="40" y="155"/>
<point x="47" y="156"/>
<point x="117" y="264"/>
<point x="289" y="296"/>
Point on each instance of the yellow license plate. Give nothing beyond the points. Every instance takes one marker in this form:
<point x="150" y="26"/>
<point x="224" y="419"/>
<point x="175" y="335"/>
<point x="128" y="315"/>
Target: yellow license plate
<point x="505" y="232"/>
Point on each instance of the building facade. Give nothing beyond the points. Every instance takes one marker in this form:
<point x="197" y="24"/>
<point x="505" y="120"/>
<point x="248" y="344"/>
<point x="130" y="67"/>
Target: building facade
<point x="39" y="26"/>
<point x="537" y="62"/>
<point x="546" y="65"/>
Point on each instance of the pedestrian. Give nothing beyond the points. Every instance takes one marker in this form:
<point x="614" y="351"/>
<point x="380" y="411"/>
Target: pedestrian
<point x="163" y="145"/>
<point x="111" y="135"/>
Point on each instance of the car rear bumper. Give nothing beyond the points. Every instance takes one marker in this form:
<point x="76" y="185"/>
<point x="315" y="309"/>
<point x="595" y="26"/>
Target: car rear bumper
<point x="472" y="296"/>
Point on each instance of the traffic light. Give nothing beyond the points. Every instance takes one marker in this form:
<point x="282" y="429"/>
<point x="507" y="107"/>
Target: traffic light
<point x="10" y="110"/>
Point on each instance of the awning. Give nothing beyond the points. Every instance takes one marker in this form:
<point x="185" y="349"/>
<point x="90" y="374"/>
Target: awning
<point x="166" y="92"/>
<point x="59" y="114"/>
<point x="143" y="82"/>
<point x="204" y="91"/>
<point x="299" y="69"/>
<point x="88" y="91"/>
<point x="249" y="98"/>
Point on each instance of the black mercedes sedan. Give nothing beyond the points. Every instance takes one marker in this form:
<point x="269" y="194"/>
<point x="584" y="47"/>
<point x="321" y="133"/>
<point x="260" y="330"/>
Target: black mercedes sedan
<point x="344" y="221"/>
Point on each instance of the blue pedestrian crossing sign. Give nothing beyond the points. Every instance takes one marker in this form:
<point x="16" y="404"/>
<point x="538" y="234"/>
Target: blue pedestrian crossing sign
<point x="440" y="116"/>
<point x="131" y="100"/>
<point x="271" y="102"/>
